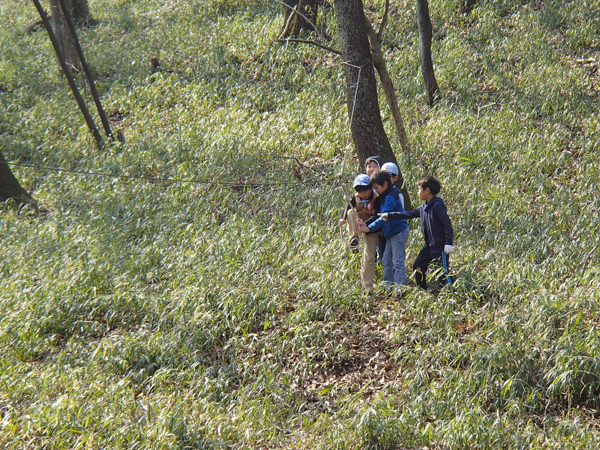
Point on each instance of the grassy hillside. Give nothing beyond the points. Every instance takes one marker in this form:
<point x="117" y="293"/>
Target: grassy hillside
<point x="223" y="311"/>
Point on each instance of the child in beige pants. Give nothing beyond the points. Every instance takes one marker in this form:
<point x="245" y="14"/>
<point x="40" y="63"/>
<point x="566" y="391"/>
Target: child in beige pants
<point x="363" y="207"/>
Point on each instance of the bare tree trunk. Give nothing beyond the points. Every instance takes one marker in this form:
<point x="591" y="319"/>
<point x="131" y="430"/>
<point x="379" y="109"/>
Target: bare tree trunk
<point x="9" y="186"/>
<point x="387" y="84"/>
<point x="425" y="36"/>
<point x="61" y="59"/>
<point x="61" y="30"/>
<point x="86" y="69"/>
<point x="366" y="126"/>
<point x="294" y="22"/>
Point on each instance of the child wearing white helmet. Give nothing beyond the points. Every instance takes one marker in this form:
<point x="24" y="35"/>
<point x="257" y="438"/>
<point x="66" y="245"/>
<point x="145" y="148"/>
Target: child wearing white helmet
<point x="392" y="169"/>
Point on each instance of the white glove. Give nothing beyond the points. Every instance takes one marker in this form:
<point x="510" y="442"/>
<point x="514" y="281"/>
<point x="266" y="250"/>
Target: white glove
<point x="384" y="216"/>
<point x="449" y="249"/>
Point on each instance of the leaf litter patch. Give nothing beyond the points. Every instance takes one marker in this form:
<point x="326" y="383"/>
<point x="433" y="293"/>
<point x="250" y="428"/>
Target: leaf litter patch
<point x="356" y="357"/>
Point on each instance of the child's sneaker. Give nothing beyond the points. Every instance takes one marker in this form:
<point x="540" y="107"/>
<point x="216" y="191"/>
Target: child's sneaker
<point x="354" y="245"/>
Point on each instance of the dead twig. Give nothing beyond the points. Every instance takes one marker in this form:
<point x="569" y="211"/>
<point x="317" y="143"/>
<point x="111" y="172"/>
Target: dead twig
<point x="386" y="11"/>
<point x="294" y="9"/>
<point x="306" y="41"/>
<point x="291" y="157"/>
<point x="287" y="23"/>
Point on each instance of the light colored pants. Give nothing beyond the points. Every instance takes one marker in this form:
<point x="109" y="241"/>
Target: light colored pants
<point x="352" y="225"/>
<point x="369" y="261"/>
<point x="394" y="270"/>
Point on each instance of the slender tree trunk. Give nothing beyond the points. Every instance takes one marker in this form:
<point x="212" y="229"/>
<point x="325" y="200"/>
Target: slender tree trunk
<point x="366" y="126"/>
<point x="88" y="73"/>
<point x="387" y="84"/>
<point x="61" y="59"/>
<point x="9" y="186"/>
<point x="425" y="36"/>
<point x="293" y="22"/>
<point x="79" y="11"/>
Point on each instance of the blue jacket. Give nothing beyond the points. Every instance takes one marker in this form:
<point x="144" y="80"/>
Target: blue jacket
<point x="399" y="195"/>
<point x="390" y="202"/>
<point x="435" y="223"/>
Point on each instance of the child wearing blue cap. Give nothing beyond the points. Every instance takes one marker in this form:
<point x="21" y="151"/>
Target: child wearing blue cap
<point x="363" y="207"/>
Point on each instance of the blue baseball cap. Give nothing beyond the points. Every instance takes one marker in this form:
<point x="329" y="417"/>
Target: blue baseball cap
<point x="362" y="180"/>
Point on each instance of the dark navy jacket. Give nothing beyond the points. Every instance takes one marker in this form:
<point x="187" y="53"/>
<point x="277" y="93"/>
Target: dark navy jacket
<point x="436" y="225"/>
<point x="390" y="202"/>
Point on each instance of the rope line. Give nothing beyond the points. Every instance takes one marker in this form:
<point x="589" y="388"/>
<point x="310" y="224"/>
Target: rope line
<point x="157" y="179"/>
<point x="347" y="63"/>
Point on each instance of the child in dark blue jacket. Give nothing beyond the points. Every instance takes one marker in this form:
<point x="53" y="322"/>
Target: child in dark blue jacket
<point x="396" y="231"/>
<point x="436" y="226"/>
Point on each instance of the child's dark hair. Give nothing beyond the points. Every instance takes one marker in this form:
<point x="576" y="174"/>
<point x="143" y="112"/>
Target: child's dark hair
<point x="368" y="187"/>
<point x="380" y="177"/>
<point x="430" y="182"/>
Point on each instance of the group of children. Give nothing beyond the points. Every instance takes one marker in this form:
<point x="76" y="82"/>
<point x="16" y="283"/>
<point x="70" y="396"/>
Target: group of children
<point x="376" y="212"/>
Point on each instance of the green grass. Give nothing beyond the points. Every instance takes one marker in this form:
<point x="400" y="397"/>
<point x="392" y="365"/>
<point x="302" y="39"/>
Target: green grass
<point x="226" y="312"/>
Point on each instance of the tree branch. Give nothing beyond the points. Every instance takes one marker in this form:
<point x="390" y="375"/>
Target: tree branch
<point x="31" y="28"/>
<point x="300" y="14"/>
<point x="306" y="41"/>
<point x="386" y="11"/>
<point x="387" y="84"/>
